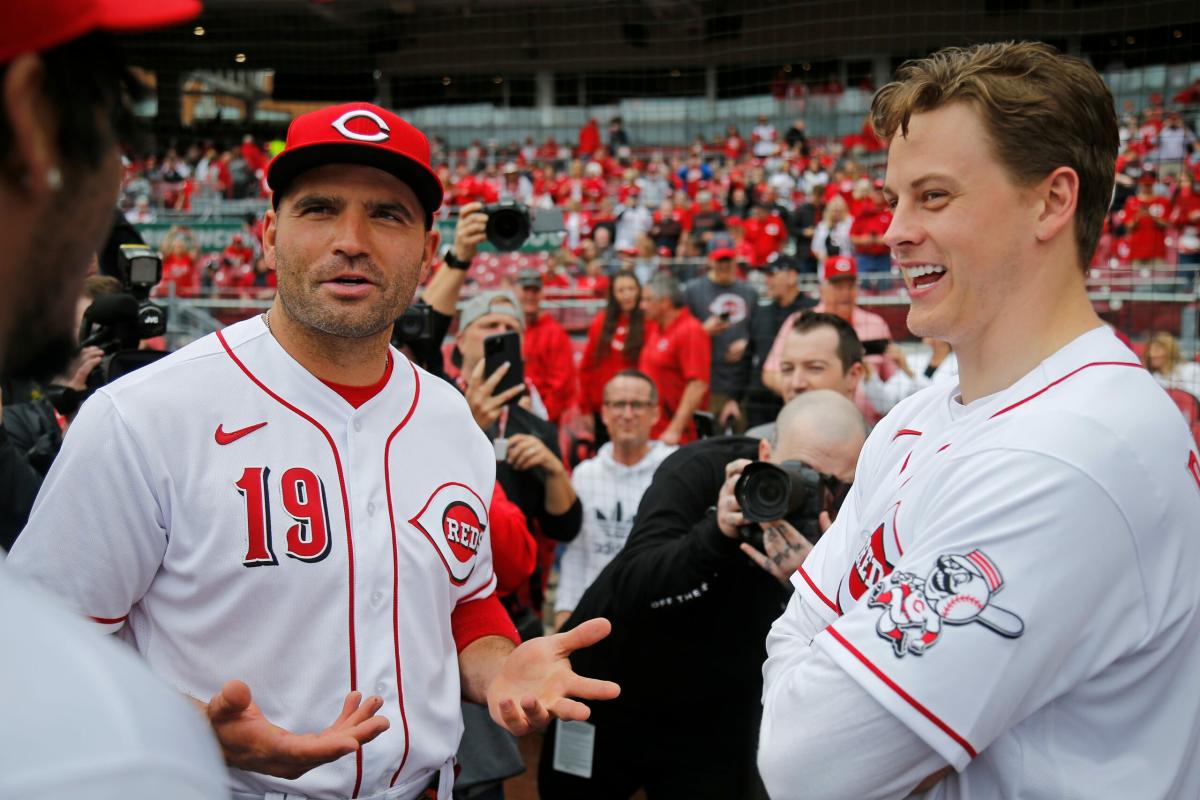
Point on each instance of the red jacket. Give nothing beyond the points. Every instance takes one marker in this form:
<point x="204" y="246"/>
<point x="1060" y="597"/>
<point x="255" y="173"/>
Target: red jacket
<point x="595" y="372"/>
<point x="514" y="550"/>
<point x="549" y="364"/>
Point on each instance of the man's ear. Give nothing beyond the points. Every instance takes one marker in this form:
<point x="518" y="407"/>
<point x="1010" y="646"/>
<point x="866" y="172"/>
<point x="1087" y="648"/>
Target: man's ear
<point x="854" y="377"/>
<point x="1058" y="197"/>
<point x="433" y="238"/>
<point x="269" y="221"/>
<point x="33" y="164"/>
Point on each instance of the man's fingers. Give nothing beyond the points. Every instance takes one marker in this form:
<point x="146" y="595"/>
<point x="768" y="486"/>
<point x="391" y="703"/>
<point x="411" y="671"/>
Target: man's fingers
<point x="313" y="750"/>
<point x="536" y="715"/>
<point x="755" y="556"/>
<point x="592" y="688"/>
<point x="585" y="634"/>
<point x="349" y="706"/>
<point x="368" y="729"/>
<point x="824" y="521"/>
<point x="512" y="718"/>
<point x="233" y="699"/>
<point x="364" y="711"/>
<point x="565" y="708"/>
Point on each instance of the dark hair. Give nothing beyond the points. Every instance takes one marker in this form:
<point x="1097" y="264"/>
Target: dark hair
<point x="612" y="312"/>
<point x="638" y="375"/>
<point x="1042" y="110"/>
<point x="849" y="349"/>
<point x="82" y="77"/>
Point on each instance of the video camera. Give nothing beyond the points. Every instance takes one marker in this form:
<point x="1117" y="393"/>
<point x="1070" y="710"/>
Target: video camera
<point x="792" y="491"/>
<point x="117" y="323"/>
<point x="510" y="223"/>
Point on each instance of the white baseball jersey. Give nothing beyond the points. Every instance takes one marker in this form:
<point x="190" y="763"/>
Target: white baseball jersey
<point x="82" y="716"/>
<point x="610" y="493"/>
<point x="235" y="517"/>
<point x="1013" y="581"/>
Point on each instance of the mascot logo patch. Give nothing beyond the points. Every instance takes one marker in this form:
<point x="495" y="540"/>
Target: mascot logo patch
<point x="958" y="590"/>
<point x="454" y="520"/>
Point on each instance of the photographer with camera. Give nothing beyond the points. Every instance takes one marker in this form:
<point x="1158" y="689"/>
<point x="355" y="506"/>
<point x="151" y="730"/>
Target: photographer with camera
<point x="691" y="601"/>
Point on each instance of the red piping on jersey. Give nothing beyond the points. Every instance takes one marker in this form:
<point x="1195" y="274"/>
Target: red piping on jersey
<point x="943" y="447"/>
<point x="109" y="620"/>
<point x="1052" y="384"/>
<point x="818" y="592"/>
<point x="337" y="460"/>
<point x="904" y="466"/>
<point x="929" y="715"/>
<point x="387" y="483"/>
<point x="905" y="432"/>
<point x="480" y="590"/>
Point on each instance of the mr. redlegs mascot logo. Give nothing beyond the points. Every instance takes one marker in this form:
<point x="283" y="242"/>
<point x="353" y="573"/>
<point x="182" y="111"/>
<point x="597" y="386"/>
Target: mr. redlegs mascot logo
<point x="454" y="521"/>
<point x="958" y="590"/>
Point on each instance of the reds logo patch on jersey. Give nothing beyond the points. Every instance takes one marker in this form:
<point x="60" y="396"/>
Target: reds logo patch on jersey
<point x="454" y="520"/>
<point x="957" y="591"/>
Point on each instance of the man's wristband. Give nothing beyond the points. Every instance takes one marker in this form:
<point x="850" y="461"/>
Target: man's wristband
<point x="454" y="263"/>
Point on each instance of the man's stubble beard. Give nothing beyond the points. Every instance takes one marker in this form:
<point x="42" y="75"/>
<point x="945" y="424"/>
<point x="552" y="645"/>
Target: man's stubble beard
<point x="302" y="305"/>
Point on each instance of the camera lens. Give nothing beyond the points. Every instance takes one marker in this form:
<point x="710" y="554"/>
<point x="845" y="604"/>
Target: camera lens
<point x="507" y="228"/>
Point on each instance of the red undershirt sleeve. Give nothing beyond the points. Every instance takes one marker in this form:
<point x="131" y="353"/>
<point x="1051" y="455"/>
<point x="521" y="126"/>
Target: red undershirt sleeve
<point x="475" y="619"/>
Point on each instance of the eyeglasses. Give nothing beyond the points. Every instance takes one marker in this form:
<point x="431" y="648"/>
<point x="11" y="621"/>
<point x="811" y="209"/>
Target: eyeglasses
<point x="636" y="406"/>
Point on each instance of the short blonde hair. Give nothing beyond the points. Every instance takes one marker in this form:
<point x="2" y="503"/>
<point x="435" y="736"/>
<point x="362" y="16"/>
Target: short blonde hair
<point x="1170" y="345"/>
<point x="1042" y="110"/>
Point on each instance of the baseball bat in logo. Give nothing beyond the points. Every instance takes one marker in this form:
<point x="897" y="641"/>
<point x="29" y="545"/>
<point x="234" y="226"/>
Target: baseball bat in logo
<point x="454" y="520"/>
<point x="341" y="125"/>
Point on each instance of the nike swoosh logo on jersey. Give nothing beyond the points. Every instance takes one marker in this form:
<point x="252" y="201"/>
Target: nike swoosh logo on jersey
<point x="232" y="436"/>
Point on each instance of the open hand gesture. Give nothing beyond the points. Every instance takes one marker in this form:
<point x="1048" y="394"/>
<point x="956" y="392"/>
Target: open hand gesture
<point x="536" y="682"/>
<point x="250" y="742"/>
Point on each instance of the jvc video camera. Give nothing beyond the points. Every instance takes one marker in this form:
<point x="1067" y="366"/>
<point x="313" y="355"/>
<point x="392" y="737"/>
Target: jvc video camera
<point x="117" y="323"/>
<point x="791" y="491"/>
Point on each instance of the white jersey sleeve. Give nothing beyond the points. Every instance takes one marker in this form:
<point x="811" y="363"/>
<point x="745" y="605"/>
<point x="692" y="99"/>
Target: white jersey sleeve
<point x="1002" y="593"/>
<point x="112" y="481"/>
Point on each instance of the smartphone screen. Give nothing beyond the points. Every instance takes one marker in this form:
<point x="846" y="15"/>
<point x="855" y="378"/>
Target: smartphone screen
<point x="498" y="349"/>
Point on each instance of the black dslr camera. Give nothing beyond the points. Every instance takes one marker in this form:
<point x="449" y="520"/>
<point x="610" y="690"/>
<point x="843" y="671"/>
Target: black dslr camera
<point x="117" y="323"/>
<point x="791" y="491"/>
<point x="509" y="224"/>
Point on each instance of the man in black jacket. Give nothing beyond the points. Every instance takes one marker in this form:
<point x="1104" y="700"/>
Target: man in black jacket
<point x="691" y="606"/>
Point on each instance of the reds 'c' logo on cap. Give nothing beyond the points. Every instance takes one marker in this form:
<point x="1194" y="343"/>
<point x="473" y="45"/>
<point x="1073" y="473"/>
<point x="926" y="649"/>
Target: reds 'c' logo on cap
<point x="380" y="135"/>
<point x="454" y="520"/>
<point x="842" y="265"/>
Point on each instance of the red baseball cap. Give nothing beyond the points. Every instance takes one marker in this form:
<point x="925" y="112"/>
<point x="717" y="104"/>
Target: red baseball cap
<point x="723" y="254"/>
<point x="27" y="27"/>
<point x="357" y="133"/>
<point x="838" y="267"/>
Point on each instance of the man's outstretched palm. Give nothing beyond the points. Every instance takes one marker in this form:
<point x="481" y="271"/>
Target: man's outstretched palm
<point x="536" y="682"/>
<point x="250" y="742"/>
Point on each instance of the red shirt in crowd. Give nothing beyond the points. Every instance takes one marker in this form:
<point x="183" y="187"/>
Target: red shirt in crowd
<point x="673" y="357"/>
<point x="872" y="219"/>
<point x="597" y="367"/>
<point x="179" y="269"/>
<point x="1147" y="239"/>
<point x="765" y="238"/>
<point x="549" y="364"/>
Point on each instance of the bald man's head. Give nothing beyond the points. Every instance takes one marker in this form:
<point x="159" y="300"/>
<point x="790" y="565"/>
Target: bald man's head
<point x="822" y="428"/>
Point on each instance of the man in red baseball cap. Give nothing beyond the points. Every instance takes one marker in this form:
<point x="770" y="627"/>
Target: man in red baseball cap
<point x="82" y="714"/>
<point x="394" y="476"/>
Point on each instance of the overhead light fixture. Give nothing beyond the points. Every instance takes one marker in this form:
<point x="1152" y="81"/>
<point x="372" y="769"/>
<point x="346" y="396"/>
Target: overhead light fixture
<point x="446" y="80"/>
<point x="198" y="30"/>
<point x="240" y="58"/>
